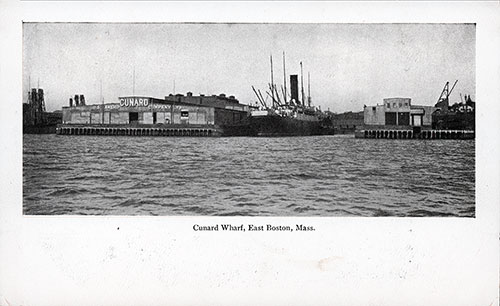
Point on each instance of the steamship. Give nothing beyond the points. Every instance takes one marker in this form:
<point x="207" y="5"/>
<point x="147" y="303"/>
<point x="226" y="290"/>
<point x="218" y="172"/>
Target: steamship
<point x="288" y="115"/>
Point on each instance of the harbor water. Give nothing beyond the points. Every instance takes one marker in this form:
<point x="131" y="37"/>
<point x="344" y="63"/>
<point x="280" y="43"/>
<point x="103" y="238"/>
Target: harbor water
<point x="243" y="176"/>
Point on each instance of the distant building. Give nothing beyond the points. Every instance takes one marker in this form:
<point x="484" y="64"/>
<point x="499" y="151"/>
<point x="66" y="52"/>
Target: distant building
<point x="35" y="119"/>
<point x="347" y="122"/>
<point x="398" y="112"/>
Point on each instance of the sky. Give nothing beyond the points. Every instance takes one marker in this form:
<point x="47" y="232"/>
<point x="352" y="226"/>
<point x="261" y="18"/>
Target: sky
<point x="350" y="65"/>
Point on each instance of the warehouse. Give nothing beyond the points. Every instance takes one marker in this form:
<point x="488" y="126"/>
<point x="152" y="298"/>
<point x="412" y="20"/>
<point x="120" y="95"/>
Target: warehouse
<point x="140" y="110"/>
<point x="175" y="115"/>
<point x="398" y="112"/>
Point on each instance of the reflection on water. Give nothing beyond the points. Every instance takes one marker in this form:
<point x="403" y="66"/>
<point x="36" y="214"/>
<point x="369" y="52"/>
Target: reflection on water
<point x="290" y="176"/>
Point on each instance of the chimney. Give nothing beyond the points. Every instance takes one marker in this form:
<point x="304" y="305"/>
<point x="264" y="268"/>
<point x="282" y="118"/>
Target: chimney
<point x="82" y="100"/>
<point x="77" y="100"/>
<point x="34" y="96"/>
<point x="294" y="84"/>
<point x="70" y="102"/>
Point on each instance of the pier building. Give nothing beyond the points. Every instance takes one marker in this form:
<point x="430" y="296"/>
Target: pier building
<point x="174" y="115"/>
<point x="397" y="118"/>
<point x="398" y="113"/>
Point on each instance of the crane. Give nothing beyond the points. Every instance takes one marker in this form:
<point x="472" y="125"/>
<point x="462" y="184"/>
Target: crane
<point x="443" y="101"/>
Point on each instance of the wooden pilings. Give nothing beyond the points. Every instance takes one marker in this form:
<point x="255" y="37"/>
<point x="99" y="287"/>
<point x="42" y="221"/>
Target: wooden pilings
<point x="125" y="131"/>
<point x="410" y="134"/>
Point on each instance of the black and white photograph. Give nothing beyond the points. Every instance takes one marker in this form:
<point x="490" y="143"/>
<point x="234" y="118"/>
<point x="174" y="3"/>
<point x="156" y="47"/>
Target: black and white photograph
<point x="225" y="119"/>
<point x="249" y="153"/>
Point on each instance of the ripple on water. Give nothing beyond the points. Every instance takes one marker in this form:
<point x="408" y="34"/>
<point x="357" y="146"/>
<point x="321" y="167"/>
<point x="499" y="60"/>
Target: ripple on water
<point x="290" y="176"/>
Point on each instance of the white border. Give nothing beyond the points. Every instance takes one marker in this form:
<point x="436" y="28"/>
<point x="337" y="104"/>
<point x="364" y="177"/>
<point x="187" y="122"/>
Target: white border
<point x="160" y="260"/>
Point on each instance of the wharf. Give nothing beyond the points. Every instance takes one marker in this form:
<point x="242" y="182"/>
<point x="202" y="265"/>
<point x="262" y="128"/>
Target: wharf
<point x="411" y="134"/>
<point x="172" y="130"/>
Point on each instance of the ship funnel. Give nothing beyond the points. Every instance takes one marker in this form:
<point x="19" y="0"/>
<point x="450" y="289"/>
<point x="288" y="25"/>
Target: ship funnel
<point x="70" y="102"/>
<point x="77" y="100"/>
<point x="82" y="100"/>
<point x="294" y="87"/>
<point x="34" y="96"/>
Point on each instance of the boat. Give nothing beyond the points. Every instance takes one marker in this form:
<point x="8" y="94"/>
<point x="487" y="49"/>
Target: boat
<point x="286" y="115"/>
<point x="284" y="121"/>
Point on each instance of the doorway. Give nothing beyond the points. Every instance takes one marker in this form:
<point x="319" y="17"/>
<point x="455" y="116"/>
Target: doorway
<point x="133" y="118"/>
<point x="417" y="120"/>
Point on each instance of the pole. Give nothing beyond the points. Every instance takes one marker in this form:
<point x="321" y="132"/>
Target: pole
<point x="284" y="78"/>
<point x="449" y="93"/>
<point x="172" y="111"/>
<point x="302" y="84"/>
<point x="153" y="112"/>
<point x="265" y="104"/>
<point x="272" y="81"/>
<point x="258" y="97"/>
<point x="102" y="102"/>
<point x="29" y="90"/>
<point x="133" y="85"/>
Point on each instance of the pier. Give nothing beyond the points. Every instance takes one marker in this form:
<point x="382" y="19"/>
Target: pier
<point x="410" y="134"/>
<point x="170" y="131"/>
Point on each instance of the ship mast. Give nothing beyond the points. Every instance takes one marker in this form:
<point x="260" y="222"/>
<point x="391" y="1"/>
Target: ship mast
<point x="284" y="79"/>
<point x="29" y="90"/>
<point x="272" y="81"/>
<point x="302" y="84"/>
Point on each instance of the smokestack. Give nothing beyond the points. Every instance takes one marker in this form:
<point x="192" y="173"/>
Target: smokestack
<point x="77" y="100"/>
<point x="41" y="100"/>
<point x="70" y="102"/>
<point x="82" y="100"/>
<point x="34" y="96"/>
<point x="294" y="88"/>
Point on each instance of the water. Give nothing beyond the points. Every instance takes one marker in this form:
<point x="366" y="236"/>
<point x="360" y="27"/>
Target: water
<point x="289" y="176"/>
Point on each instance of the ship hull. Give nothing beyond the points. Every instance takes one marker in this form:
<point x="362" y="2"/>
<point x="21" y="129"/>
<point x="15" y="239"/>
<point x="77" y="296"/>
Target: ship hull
<point x="39" y="129"/>
<point x="274" y="126"/>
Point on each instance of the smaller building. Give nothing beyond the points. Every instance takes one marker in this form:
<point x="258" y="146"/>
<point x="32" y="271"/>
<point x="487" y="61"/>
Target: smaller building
<point x="397" y="113"/>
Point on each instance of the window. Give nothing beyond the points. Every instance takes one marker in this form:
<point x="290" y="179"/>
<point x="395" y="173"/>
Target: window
<point x="394" y="104"/>
<point x="400" y="104"/>
<point x="388" y="105"/>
